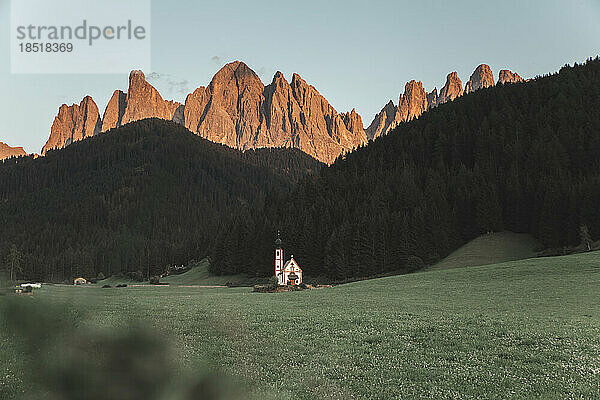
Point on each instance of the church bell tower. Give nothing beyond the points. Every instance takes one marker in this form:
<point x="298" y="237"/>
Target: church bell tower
<point x="278" y="259"/>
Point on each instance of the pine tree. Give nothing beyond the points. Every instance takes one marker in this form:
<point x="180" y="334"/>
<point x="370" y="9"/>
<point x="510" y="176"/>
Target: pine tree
<point x="585" y="237"/>
<point x="13" y="262"/>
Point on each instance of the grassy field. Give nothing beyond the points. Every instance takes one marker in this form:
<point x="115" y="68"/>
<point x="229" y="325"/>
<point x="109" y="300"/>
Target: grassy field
<point x="116" y="280"/>
<point x="494" y="248"/>
<point x="196" y="276"/>
<point x="522" y="329"/>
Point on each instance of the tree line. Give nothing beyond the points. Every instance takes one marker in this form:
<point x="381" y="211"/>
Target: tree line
<point x="520" y="157"/>
<point x="147" y="195"/>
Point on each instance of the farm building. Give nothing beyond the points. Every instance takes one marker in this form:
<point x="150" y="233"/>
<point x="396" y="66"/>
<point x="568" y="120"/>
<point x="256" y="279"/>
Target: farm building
<point x="289" y="273"/>
<point x="79" y="281"/>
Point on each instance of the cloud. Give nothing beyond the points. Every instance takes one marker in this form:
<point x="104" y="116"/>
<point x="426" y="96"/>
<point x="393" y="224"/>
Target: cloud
<point x="216" y="59"/>
<point x="155" y="76"/>
<point x="169" y="84"/>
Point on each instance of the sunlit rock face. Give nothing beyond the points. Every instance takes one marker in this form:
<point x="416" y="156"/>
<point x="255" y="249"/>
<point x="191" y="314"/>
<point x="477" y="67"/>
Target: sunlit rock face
<point x="412" y="103"/>
<point x="7" y="151"/>
<point x="481" y="78"/>
<point x="507" y="76"/>
<point x="141" y="101"/>
<point x="237" y="110"/>
<point x="415" y="100"/>
<point x="74" y="123"/>
<point x="452" y="89"/>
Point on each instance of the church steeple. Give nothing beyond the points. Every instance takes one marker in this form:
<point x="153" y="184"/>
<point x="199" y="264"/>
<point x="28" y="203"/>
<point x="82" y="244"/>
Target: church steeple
<point x="279" y="259"/>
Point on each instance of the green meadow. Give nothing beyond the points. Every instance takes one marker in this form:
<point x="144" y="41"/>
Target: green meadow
<point x="519" y="329"/>
<point x="198" y="275"/>
<point x="494" y="248"/>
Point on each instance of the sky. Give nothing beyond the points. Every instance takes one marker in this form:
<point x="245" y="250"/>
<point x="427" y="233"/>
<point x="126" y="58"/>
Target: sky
<point x="358" y="54"/>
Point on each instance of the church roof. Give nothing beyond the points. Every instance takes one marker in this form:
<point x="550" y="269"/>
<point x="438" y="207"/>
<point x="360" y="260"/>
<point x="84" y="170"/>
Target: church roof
<point x="289" y="262"/>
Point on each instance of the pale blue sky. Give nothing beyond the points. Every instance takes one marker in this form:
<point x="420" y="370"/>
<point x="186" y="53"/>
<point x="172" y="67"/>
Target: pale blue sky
<point x="357" y="53"/>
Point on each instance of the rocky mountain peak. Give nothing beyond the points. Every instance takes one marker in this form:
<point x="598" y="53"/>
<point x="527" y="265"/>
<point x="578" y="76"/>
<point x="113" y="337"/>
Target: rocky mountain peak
<point x="278" y="77"/>
<point x="235" y="72"/>
<point x="432" y="99"/>
<point x="230" y="107"/>
<point x="7" y="151"/>
<point x="74" y="123"/>
<point x="413" y="102"/>
<point x="481" y="78"/>
<point x="452" y="89"/>
<point x="144" y="101"/>
<point x="382" y="121"/>
<point x="236" y="109"/>
<point x="353" y="122"/>
<point x="115" y="109"/>
<point x="296" y="77"/>
<point x="141" y="101"/>
<point x="300" y="87"/>
<point x="136" y="76"/>
<point x="507" y="76"/>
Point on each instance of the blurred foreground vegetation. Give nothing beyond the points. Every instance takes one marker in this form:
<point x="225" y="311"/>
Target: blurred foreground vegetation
<point x="525" y="329"/>
<point x="53" y="350"/>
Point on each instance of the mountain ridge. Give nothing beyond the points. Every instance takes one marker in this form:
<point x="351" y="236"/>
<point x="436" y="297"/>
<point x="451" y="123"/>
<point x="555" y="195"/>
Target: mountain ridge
<point x="149" y="187"/>
<point x="238" y="110"/>
<point x="235" y="109"/>
<point x="416" y="100"/>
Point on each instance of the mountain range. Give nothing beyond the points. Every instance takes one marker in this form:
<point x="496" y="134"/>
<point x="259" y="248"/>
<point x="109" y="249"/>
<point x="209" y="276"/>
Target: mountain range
<point x="235" y="109"/>
<point x="238" y="110"/>
<point x="415" y="100"/>
<point x="148" y="194"/>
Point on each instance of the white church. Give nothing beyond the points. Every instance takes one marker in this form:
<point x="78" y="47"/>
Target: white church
<point x="288" y="274"/>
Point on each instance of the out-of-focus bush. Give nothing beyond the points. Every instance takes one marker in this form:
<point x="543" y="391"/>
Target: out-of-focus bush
<point x="65" y="359"/>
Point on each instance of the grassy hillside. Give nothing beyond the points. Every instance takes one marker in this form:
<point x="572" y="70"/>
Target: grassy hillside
<point x="199" y="275"/>
<point x="494" y="248"/>
<point x="521" y="329"/>
<point x="116" y="280"/>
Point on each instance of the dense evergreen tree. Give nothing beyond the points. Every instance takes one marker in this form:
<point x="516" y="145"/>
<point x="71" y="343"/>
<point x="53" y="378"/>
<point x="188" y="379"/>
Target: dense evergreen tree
<point x="522" y="157"/>
<point x="139" y="198"/>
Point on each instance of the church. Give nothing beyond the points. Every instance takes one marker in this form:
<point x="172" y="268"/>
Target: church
<point x="288" y="274"/>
